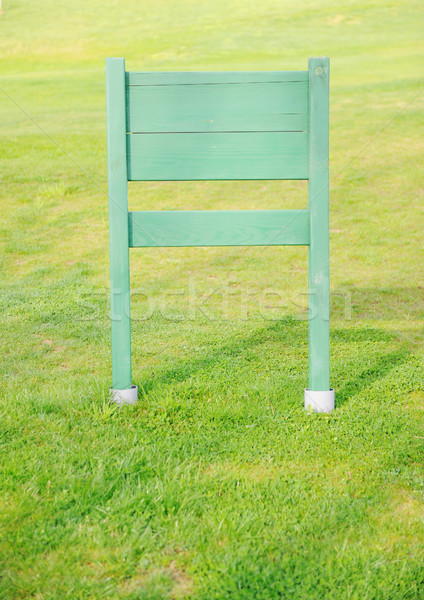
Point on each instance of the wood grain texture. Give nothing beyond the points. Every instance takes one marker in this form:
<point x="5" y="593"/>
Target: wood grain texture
<point x="118" y="223"/>
<point x="211" y="77"/>
<point x="218" y="228"/>
<point x="223" y="107"/>
<point x="318" y="203"/>
<point x="197" y="156"/>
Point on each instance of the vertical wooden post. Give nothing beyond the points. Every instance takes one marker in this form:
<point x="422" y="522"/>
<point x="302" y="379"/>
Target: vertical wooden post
<point x="318" y="194"/>
<point x="118" y="224"/>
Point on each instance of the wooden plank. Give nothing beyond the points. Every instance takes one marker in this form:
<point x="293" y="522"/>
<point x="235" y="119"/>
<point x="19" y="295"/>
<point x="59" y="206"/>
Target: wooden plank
<point x="223" y="107"/>
<point x="318" y="192"/>
<point x="211" y="77"/>
<point x="118" y="223"/>
<point x="195" y="156"/>
<point x="218" y="228"/>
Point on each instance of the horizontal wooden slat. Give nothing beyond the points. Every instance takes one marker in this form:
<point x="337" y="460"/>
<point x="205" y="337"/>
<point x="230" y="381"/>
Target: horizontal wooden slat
<point x="218" y="228"/>
<point x="275" y="106"/>
<point x="211" y="77"/>
<point x="195" y="156"/>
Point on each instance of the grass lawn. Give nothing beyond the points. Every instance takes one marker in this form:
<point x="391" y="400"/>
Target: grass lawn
<point x="217" y="484"/>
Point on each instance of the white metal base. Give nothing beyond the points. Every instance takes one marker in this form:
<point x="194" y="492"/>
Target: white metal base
<point x="321" y="402"/>
<point x="124" y="396"/>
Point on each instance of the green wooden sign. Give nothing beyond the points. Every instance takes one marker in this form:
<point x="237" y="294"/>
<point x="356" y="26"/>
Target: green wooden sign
<point x="215" y="126"/>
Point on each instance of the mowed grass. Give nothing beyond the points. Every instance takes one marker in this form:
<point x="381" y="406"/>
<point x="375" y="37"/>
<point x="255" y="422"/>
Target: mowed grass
<point x="217" y="484"/>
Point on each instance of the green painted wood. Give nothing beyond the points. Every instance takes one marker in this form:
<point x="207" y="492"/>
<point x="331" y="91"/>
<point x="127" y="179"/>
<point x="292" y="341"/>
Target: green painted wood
<point x="275" y="106"/>
<point x="200" y="134"/>
<point x="318" y="192"/>
<point x="195" y="156"/>
<point x="118" y="223"/>
<point x="218" y="228"/>
<point x="212" y="77"/>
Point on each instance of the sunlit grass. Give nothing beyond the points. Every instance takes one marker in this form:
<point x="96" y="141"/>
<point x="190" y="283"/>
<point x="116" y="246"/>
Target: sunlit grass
<point x="217" y="484"/>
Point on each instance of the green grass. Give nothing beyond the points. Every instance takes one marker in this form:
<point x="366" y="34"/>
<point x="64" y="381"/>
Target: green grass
<point x="217" y="484"/>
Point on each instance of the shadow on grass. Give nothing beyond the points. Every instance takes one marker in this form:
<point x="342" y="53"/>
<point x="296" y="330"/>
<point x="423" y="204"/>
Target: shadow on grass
<point x="291" y="332"/>
<point x="378" y="370"/>
<point x="287" y="331"/>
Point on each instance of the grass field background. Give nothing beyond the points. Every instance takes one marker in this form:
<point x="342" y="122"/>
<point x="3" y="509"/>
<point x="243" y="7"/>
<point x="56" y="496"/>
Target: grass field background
<point x="217" y="484"/>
